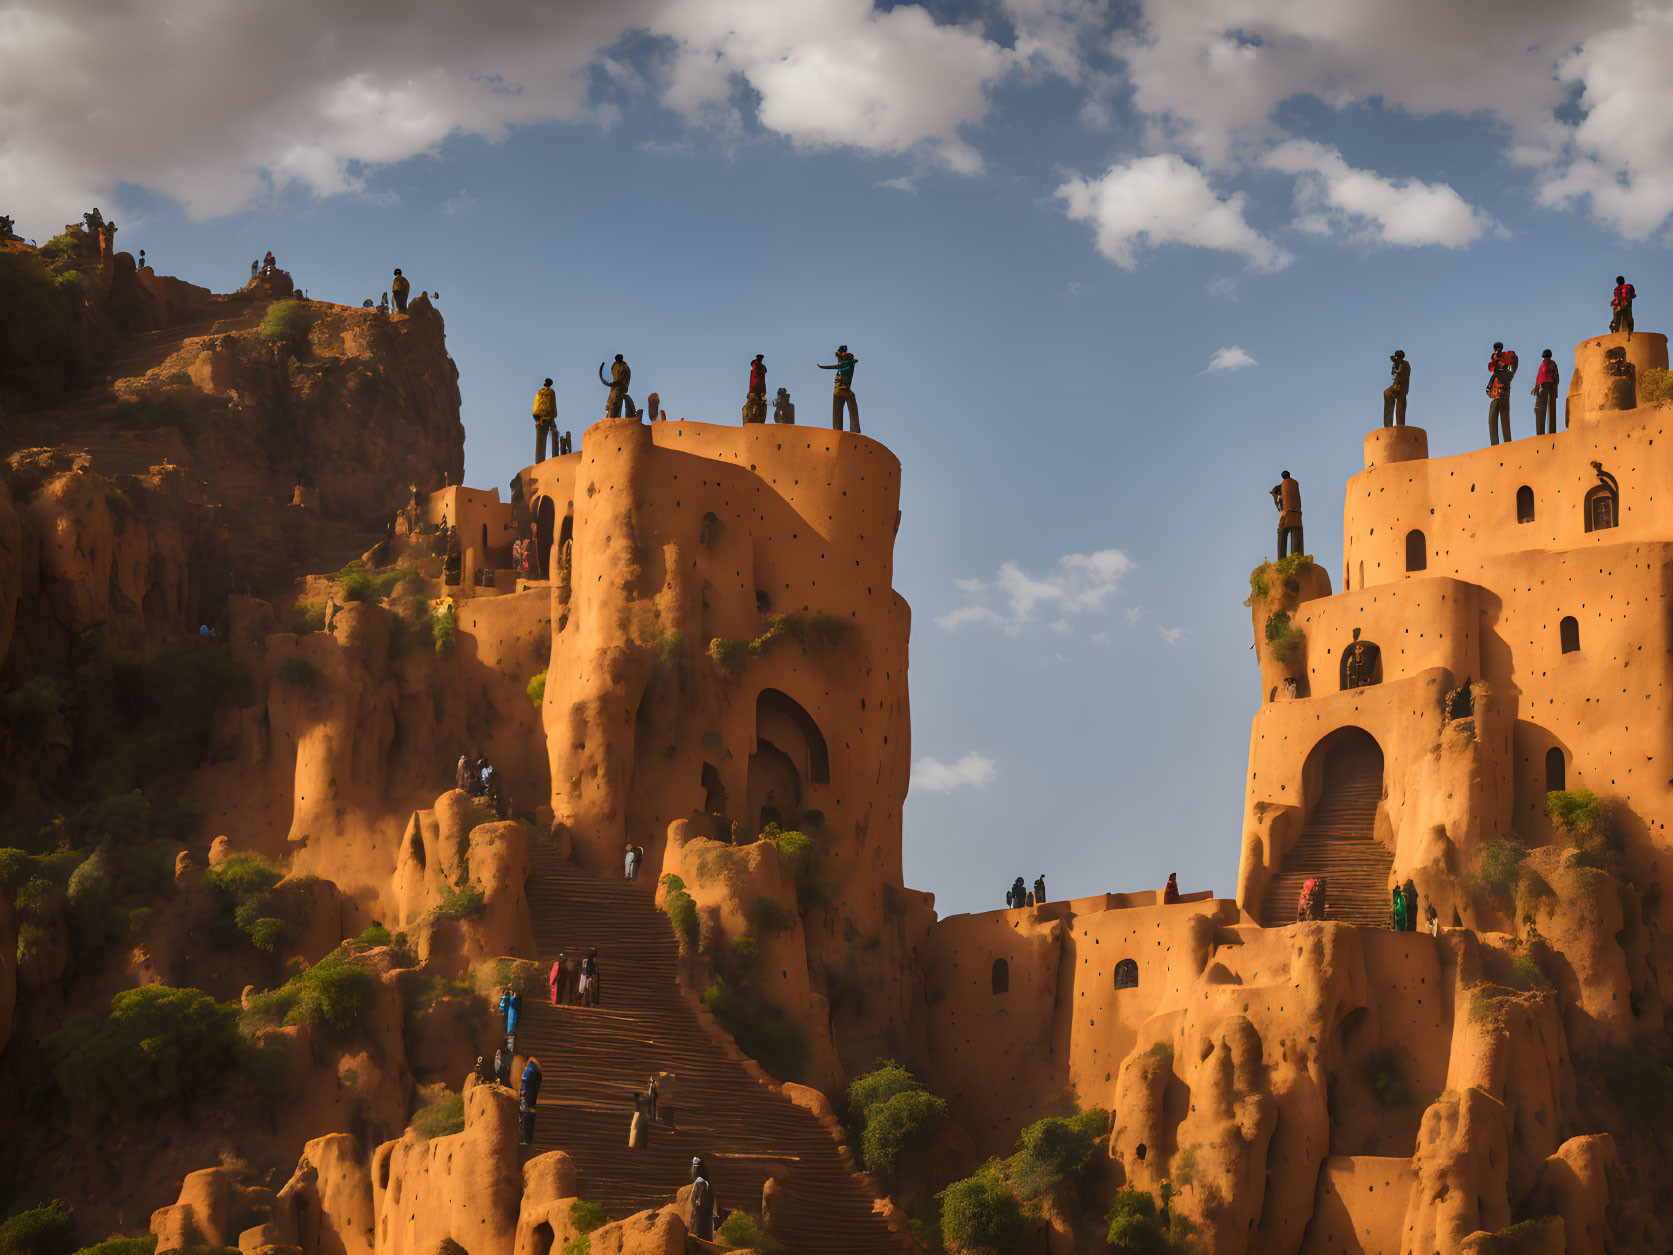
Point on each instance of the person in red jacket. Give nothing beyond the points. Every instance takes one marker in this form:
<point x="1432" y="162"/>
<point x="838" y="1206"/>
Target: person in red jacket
<point x="755" y="400"/>
<point x="1501" y="369"/>
<point x="1622" y="305"/>
<point x="1545" y="395"/>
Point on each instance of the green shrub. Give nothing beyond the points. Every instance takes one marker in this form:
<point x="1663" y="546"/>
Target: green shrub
<point x="332" y="992"/>
<point x="267" y="933"/>
<point x="300" y="672"/>
<point x="670" y="648"/>
<point x="672" y="882"/>
<point x="682" y="914"/>
<point x="1498" y="871"/>
<point x="872" y="1088"/>
<point x="153" y="1044"/>
<point x="445" y="1115"/>
<point x="537" y="690"/>
<point x="461" y="902"/>
<point x="1283" y="638"/>
<point x="288" y="323"/>
<point x="372" y="938"/>
<point x="242" y="876"/>
<point x="1655" y="385"/>
<point x="768" y="915"/>
<point x="356" y="587"/>
<point x="584" y="1217"/>
<point x="746" y="953"/>
<point x="61" y="245"/>
<point x="980" y="1214"/>
<point x="441" y="631"/>
<point x="582" y="1245"/>
<point x="814" y="631"/>
<point x="29" y="708"/>
<point x="1385" y="1073"/>
<point x="1524" y="1237"/>
<point x="523" y="976"/>
<point x="1134" y="1228"/>
<point x="1052" y="1153"/>
<point x="423" y="990"/>
<point x="306" y="617"/>
<point x="146" y="1245"/>
<point x="742" y="1231"/>
<point x="1581" y="816"/>
<point x="904" y="1125"/>
<point x="762" y="1032"/>
<point x="67" y="279"/>
<point x="48" y="1230"/>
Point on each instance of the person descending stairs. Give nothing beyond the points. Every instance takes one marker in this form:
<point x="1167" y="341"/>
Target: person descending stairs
<point x="595" y="1058"/>
<point x="1338" y="844"/>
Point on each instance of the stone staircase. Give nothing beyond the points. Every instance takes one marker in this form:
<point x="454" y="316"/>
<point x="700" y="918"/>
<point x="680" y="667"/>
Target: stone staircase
<point x="594" y="1058"/>
<point x="1338" y="845"/>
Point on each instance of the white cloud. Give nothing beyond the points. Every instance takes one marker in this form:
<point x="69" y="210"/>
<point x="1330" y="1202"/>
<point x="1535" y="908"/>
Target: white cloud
<point x="1222" y="288"/>
<point x="1228" y="357"/>
<point x="1333" y="198"/>
<point x="220" y="106"/>
<point x="464" y="202"/>
<point x="1078" y="583"/>
<point x="901" y="184"/>
<point x="1132" y="615"/>
<point x="1149" y="202"/>
<point x="1171" y="636"/>
<point x="973" y="771"/>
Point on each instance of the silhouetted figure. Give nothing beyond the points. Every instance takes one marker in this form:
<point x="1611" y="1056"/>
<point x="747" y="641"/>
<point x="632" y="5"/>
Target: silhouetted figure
<point x="755" y="400"/>
<point x="400" y="287"/>
<point x="783" y="410"/>
<point x="1039" y="890"/>
<point x="1621" y="304"/>
<point x="1017" y="894"/>
<point x="1501" y="369"/>
<point x="7" y="227"/>
<point x="843" y="393"/>
<point x="527" y="1099"/>
<point x="702" y="1202"/>
<point x="1359" y="666"/>
<point x="1394" y="396"/>
<point x="268" y="265"/>
<point x="1170" y="892"/>
<point x="1408" y="894"/>
<point x="621" y="378"/>
<point x="1286" y="496"/>
<point x="545" y="420"/>
<point x="1434" y="921"/>
<point x="1545" y="396"/>
<point x="383" y="304"/>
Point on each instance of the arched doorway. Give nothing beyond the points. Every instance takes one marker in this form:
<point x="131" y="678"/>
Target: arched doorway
<point x="545" y="520"/>
<point x="1342" y="786"/>
<point x="790" y="754"/>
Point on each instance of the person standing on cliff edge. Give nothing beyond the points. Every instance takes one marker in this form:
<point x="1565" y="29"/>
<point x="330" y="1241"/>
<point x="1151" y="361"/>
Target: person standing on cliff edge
<point x="621" y="378"/>
<point x="1545" y="396"/>
<point x="755" y="400"/>
<point x="1501" y="369"/>
<point x="400" y="287"/>
<point x="843" y="393"/>
<point x="1622" y="305"/>
<point x="1286" y="495"/>
<point x="1394" y="396"/>
<point x="545" y="420"/>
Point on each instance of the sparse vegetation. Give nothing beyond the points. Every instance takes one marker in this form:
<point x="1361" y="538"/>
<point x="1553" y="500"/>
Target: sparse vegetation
<point x="537" y="690"/>
<point x="812" y="631"/>
<point x="1385" y="1073"/>
<point x="1283" y="638"/>
<point x="743" y="1232"/>
<point x="461" y="902"/>
<point x="585" y="1217"/>
<point x="763" y="1032"/>
<point x="682" y="914"/>
<point x="1655" y="386"/>
<point x="1283" y="571"/>
<point x="31" y="706"/>
<point x="1637" y="1079"/>
<point x="146" y="1245"/>
<point x="441" y="631"/>
<point x="60" y="245"/>
<point x="288" y="323"/>
<point x="332" y="992"/>
<point x="767" y="914"/>
<point x="1582" y="817"/>
<point x="445" y="1115"/>
<point x="522" y="975"/>
<point x="1498" y="871"/>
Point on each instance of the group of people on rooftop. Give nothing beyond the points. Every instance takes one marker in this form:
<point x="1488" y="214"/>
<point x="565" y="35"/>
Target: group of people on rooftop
<point x="479" y="779"/>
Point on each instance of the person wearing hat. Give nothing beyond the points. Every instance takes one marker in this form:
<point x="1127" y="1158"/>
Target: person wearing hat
<point x="1545" y="396"/>
<point x="784" y="411"/>
<point x="843" y="393"/>
<point x="1394" y="396"/>
<point x="545" y="420"/>
<point x="400" y="287"/>
<point x="755" y="400"/>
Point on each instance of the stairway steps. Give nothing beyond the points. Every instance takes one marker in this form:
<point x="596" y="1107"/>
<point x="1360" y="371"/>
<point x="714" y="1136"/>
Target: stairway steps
<point x="1338" y="844"/>
<point x="594" y="1058"/>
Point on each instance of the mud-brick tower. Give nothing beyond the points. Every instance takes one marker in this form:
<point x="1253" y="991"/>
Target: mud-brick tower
<point x="1503" y="629"/>
<point x="726" y="640"/>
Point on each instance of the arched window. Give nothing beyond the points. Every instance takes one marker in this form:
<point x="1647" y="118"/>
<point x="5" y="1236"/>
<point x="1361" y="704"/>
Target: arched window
<point x="1001" y="976"/>
<point x="1568" y="631"/>
<point x="1126" y="974"/>
<point x="1603" y="502"/>
<point x="1524" y="504"/>
<point x="1417" y="551"/>
<point x="1556" y="771"/>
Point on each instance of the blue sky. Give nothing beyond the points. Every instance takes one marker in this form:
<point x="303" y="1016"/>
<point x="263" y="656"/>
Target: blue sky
<point x="1036" y="222"/>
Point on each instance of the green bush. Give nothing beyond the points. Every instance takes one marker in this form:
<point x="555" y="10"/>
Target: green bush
<point x="1385" y="1073"/>
<point x="267" y="933"/>
<point x="332" y="992"/>
<point x="670" y="649"/>
<point x="537" y="690"/>
<point x="743" y="1232"/>
<point x="1525" y="1237"/>
<point x="242" y="876"/>
<point x="1498" y="871"/>
<point x="61" y="245"/>
<point x="872" y="1088"/>
<point x="584" y="1217"/>
<point x="445" y="1115"/>
<point x="441" y="631"/>
<point x="682" y="914"/>
<point x="146" y="1245"/>
<point x="1283" y="638"/>
<point x="288" y="323"/>
<point x="461" y="902"/>
<point x="746" y="953"/>
<point x="1581" y="816"/>
<point x="48" y="1230"/>
<point x="1134" y="1228"/>
<point x="306" y="617"/>
<point x="980" y="1215"/>
<point x="1052" y="1153"/>
<point x="814" y="631"/>
<point x="372" y="938"/>
<point x="901" y="1127"/>
<point x="153" y="1044"/>
<point x="1655" y="385"/>
<point x="522" y="975"/>
<point x="582" y="1245"/>
<point x="69" y="280"/>
<point x="29" y="708"/>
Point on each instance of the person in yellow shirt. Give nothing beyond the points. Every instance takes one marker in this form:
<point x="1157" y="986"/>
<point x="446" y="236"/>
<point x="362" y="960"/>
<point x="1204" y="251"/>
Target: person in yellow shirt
<point x="545" y="421"/>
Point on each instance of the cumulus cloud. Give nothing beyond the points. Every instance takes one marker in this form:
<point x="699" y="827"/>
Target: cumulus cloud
<point x="1171" y="636"/>
<point x="1333" y="198"/>
<point x="973" y="771"/>
<point x="219" y="106"/>
<point x="1229" y="357"/>
<point x="1149" y="202"/>
<point x="1078" y="583"/>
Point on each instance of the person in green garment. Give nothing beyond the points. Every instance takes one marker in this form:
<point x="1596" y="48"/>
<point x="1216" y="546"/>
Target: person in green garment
<point x="1399" y="910"/>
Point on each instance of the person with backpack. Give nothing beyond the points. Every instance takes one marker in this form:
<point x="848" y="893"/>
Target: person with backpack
<point x="545" y="421"/>
<point x="1622" y="305"/>
<point x="1394" y="396"/>
<point x="1545" y="396"/>
<point x="1501" y="369"/>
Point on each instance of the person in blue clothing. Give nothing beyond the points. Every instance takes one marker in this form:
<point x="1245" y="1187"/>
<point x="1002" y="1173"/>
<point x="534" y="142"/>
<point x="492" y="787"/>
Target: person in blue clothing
<point x="526" y="1101"/>
<point x="511" y="1006"/>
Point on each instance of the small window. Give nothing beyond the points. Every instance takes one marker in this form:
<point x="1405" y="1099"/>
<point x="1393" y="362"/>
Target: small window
<point x="1417" y="551"/>
<point x="1001" y="976"/>
<point x="1126" y="974"/>
<point x="1524" y="504"/>
<point x="1568" y="631"/>
<point x="1602" y="509"/>
<point x="1556" y="771"/>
